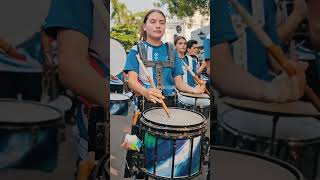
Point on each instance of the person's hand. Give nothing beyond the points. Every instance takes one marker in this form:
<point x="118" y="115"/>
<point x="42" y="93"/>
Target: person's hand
<point x="199" y="89"/>
<point x="284" y="88"/>
<point x="300" y="9"/>
<point x="154" y="95"/>
<point x="114" y="77"/>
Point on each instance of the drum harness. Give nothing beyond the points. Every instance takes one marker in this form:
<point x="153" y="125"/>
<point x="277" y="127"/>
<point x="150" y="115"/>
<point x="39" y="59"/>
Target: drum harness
<point x="159" y="65"/>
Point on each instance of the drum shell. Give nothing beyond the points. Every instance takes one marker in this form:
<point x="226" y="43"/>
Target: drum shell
<point x="204" y="110"/>
<point x="35" y="145"/>
<point x="119" y="107"/>
<point x="303" y="154"/>
<point x="191" y="138"/>
<point x="238" y="163"/>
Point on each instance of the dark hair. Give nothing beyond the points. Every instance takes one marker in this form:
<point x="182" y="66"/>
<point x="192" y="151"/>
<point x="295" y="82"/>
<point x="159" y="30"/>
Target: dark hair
<point x="143" y="35"/>
<point x="178" y="38"/>
<point x="190" y="43"/>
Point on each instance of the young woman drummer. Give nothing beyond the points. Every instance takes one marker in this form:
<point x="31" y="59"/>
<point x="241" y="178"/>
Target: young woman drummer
<point x="180" y="43"/>
<point x="152" y="30"/>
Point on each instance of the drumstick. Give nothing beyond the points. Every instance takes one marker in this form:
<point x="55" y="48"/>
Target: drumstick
<point x="274" y="50"/>
<point x="152" y="84"/>
<point x="194" y="76"/>
<point x="12" y="52"/>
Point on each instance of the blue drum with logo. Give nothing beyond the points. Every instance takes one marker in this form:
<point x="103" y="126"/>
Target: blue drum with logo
<point x="29" y="135"/>
<point x="172" y="147"/>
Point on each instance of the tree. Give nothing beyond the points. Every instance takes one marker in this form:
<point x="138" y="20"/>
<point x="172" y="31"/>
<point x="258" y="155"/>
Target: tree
<point x="119" y="14"/>
<point x="185" y="8"/>
<point x="126" y="34"/>
<point x="126" y="24"/>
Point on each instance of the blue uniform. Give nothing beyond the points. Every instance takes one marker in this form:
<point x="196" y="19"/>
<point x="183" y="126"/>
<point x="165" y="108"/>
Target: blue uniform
<point x="222" y="31"/>
<point x="190" y="80"/>
<point x="206" y="45"/>
<point x="155" y="53"/>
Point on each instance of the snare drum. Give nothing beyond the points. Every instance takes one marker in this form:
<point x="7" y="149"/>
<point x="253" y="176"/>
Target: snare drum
<point x="232" y="164"/>
<point x="183" y="139"/>
<point x="116" y="86"/>
<point x="119" y="104"/>
<point x="29" y="135"/>
<point x="198" y="103"/>
<point x="297" y="139"/>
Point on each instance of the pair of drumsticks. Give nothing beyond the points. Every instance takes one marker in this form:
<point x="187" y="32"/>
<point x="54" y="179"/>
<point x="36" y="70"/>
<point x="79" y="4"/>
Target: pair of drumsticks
<point x="153" y="85"/>
<point x="274" y="50"/>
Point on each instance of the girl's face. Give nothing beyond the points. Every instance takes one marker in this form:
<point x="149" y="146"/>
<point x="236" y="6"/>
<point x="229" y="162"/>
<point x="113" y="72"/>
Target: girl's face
<point x="155" y="26"/>
<point x="181" y="45"/>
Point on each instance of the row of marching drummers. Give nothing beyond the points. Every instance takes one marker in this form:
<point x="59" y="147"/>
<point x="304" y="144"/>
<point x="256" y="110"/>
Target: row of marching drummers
<point x="121" y="96"/>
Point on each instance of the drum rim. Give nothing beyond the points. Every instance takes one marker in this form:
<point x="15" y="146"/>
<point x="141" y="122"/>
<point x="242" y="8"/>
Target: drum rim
<point x="235" y="131"/>
<point x="187" y="95"/>
<point x="172" y="126"/>
<point x="163" y="178"/>
<point x="274" y="160"/>
<point x="25" y="125"/>
<point x="280" y="114"/>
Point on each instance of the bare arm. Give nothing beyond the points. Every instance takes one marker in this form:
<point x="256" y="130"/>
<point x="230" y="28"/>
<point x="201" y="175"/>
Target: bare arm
<point x="287" y="29"/>
<point x="201" y="68"/>
<point x="229" y="77"/>
<point x="74" y="69"/>
<point x="314" y="22"/>
<point x="184" y="87"/>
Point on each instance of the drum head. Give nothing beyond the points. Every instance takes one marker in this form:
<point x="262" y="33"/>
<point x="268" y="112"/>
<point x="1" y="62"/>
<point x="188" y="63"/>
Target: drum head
<point x="242" y="165"/>
<point x="20" y="19"/>
<point x="178" y="118"/>
<point x="288" y="128"/>
<point x="118" y="97"/>
<point x="117" y="57"/>
<point x="194" y="101"/>
<point x="24" y="112"/>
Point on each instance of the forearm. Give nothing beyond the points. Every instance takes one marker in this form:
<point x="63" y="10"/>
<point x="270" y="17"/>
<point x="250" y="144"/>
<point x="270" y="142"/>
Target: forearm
<point x="201" y="68"/>
<point x="314" y="23"/>
<point x="287" y="29"/>
<point x="182" y="86"/>
<point x="136" y="86"/>
<point x="75" y="71"/>
<point x="231" y="79"/>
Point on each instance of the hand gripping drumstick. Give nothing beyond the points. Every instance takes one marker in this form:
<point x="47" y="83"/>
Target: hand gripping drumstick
<point x="194" y="76"/>
<point x="12" y="52"/>
<point x="274" y="50"/>
<point x="152" y="84"/>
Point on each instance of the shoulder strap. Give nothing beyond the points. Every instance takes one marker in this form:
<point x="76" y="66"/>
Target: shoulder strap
<point x="142" y="52"/>
<point x="171" y="55"/>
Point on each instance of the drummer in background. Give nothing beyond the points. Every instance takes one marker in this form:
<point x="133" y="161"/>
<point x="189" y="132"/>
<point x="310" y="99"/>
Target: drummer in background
<point x="193" y="51"/>
<point x="180" y="43"/>
<point x="260" y="84"/>
<point x="152" y="30"/>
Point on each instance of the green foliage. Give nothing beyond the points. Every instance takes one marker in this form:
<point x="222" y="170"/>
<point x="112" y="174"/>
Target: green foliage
<point x="126" y="34"/>
<point x="185" y="8"/>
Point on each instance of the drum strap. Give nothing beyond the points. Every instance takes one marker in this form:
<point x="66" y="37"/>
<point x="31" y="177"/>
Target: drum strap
<point x="185" y="71"/>
<point x="240" y="46"/>
<point x="159" y="65"/>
